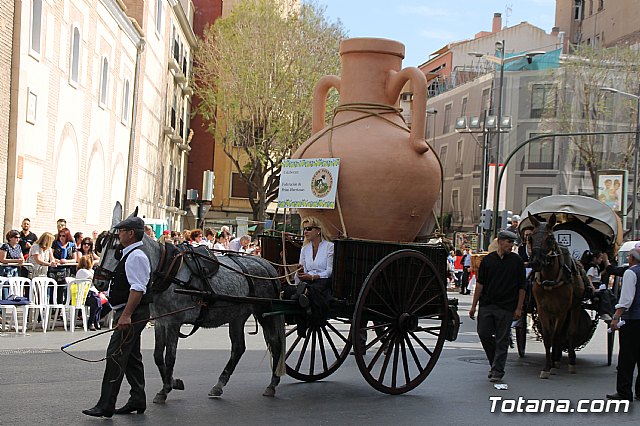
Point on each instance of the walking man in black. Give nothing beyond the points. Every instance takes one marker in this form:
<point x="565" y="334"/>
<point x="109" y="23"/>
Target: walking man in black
<point x="130" y="301"/>
<point x="500" y="289"/>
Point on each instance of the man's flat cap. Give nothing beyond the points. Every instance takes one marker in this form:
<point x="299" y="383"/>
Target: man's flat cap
<point x="131" y="223"/>
<point x="507" y="235"/>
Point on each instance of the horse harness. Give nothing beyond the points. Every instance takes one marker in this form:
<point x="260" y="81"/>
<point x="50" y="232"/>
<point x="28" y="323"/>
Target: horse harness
<point x="202" y="264"/>
<point x="567" y="264"/>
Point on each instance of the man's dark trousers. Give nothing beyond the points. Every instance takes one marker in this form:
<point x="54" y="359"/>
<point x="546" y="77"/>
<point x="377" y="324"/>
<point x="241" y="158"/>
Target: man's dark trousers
<point x="124" y="358"/>
<point x="628" y="358"/>
<point x="494" y="326"/>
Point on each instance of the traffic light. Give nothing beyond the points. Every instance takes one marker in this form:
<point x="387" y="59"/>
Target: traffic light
<point x="485" y="218"/>
<point x="503" y="220"/>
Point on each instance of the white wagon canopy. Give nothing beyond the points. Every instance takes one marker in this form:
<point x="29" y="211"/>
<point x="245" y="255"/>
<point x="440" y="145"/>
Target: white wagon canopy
<point x="593" y="220"/>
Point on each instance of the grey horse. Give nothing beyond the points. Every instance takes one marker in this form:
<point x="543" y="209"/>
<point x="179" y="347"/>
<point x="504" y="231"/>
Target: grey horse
<point x="230" y="279"/>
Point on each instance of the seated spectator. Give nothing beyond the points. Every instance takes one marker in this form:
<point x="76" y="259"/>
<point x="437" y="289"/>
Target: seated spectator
<point x="86" y="249"/>
<point x="241" y="244"/>
<point x="85" y="271"/>
<point x="41" y="255"/>
<point x="65" y="251"/>
<point x="11" y="255"/>
<point x="148" y="229"/>
<point x="77" y="238"/>
<point x="210" y="235"/>
<point x="165" y="238"/>
<point x="221" y="243"/>
<point x="196" y="238"/>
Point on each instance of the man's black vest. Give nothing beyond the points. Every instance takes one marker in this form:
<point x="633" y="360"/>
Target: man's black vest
<point x="120" y="287"/>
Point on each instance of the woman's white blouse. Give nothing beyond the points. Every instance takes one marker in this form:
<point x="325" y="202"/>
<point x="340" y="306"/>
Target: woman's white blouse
<point x="322" y="265"/>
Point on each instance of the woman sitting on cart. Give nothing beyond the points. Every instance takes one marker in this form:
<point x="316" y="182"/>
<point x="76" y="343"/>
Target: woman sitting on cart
<point x="316" y="257"/>
<point x="595" y="263"/>
<point x="313" y="279"/>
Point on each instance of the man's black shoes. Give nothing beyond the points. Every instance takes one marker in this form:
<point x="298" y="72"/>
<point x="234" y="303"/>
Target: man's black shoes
<point x="129" y="408"/>
<point x="618" y="397"/>
<point x="97" y="412"/>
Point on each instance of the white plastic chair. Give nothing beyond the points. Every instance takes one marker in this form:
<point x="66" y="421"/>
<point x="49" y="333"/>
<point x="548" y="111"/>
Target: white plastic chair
<point x="81" y="287"/>
<point x="20" y="286"/>
<point x="8" y="309"/>
<point x="39" y="302"/>
<point x="51" y="293"/>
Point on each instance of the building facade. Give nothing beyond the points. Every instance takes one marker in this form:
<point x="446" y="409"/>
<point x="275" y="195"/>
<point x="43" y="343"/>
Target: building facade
<point x="71" y="112"/>
<point x="100" y="108"/>
<point x="599" y="23"/>
<point x="163" y="111"/>
<point x="6" y="42"/>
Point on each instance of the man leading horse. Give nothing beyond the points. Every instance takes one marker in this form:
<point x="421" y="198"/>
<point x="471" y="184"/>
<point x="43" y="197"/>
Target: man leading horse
<point x="130" y="300"/>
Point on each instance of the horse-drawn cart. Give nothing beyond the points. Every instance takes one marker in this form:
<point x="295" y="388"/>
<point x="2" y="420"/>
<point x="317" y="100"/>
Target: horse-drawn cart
<point x="389" y="308"/>
<point x="581" y="224"/>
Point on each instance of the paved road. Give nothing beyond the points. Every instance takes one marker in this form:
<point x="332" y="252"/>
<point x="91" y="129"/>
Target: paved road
<point x="41" y="385"/>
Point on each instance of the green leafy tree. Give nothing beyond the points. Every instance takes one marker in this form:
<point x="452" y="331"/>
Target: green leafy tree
<point x="255" y="71"/>
<point x="579" y="105"/>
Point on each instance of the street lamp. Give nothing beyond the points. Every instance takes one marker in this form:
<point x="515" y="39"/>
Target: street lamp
<point x="634" y="202"/>
<point x="432" y="111"/>
<point x="501" y="61"/>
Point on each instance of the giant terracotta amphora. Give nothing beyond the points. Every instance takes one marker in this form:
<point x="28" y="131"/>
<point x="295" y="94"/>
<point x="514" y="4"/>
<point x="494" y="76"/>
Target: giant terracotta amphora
<point x="389" y="178"/>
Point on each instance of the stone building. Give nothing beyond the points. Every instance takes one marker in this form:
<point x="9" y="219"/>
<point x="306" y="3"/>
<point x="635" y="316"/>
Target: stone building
<point x="73" y="73"/>
<point x="100" y="108"/>
<point x="6" y="32"/>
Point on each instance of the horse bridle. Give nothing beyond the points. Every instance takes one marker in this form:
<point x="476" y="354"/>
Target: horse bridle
<point x="104" y="242"/>
<point x="537" y="239"/>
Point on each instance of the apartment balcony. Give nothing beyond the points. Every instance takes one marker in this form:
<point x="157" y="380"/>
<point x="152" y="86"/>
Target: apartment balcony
<point x="187" y="90"/>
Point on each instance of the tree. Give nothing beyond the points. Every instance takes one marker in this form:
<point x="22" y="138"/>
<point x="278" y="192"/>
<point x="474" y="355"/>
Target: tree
<point x="255" y="71"/>
<point x="581" y="106"/>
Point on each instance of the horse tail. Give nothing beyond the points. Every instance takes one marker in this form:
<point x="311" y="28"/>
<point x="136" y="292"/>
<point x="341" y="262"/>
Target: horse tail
<point x="281" y="368"/>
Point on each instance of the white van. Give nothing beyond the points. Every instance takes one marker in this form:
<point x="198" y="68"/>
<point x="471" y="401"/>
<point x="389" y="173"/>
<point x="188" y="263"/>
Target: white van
<point x="158" y="225"/>
<point x="623" y="253"/>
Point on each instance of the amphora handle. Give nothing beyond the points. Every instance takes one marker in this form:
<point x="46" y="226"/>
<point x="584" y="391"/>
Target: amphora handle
<point x="397" y="80"/>
<point x="320" y="100"/>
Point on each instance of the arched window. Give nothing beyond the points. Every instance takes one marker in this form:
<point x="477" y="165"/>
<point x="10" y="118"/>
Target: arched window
<point x="75" y="56"/>
<point x="125" y="101"/>
<point x="36" y="25"/>
<point x="104" y="82"/>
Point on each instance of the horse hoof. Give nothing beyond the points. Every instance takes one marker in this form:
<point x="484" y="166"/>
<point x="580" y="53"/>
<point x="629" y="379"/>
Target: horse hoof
<point x="160" y="398"/>
<point x="215" y="392"/>
<point x="572" y="369"/>
<point x="545" y="374"/>
<point x="178" y="384"/>
<point x="269" y="392"/>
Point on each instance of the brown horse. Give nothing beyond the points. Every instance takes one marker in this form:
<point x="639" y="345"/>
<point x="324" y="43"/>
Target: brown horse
<point x="558" y="289"/>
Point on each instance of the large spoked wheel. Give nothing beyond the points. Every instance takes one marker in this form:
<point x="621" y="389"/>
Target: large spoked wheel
<point x="400" y="321"/>
<point x="320" y="352"/>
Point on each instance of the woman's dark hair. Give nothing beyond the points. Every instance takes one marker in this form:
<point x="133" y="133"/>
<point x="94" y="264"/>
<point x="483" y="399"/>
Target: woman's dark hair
<point x="458" y="252"/>
<point x="589" y="257"/>
<point x="86" y="240"/>
<point x="12" y="233"/>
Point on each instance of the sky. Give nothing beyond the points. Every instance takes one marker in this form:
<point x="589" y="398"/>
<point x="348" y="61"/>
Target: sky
<point x="424" y="26"/>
